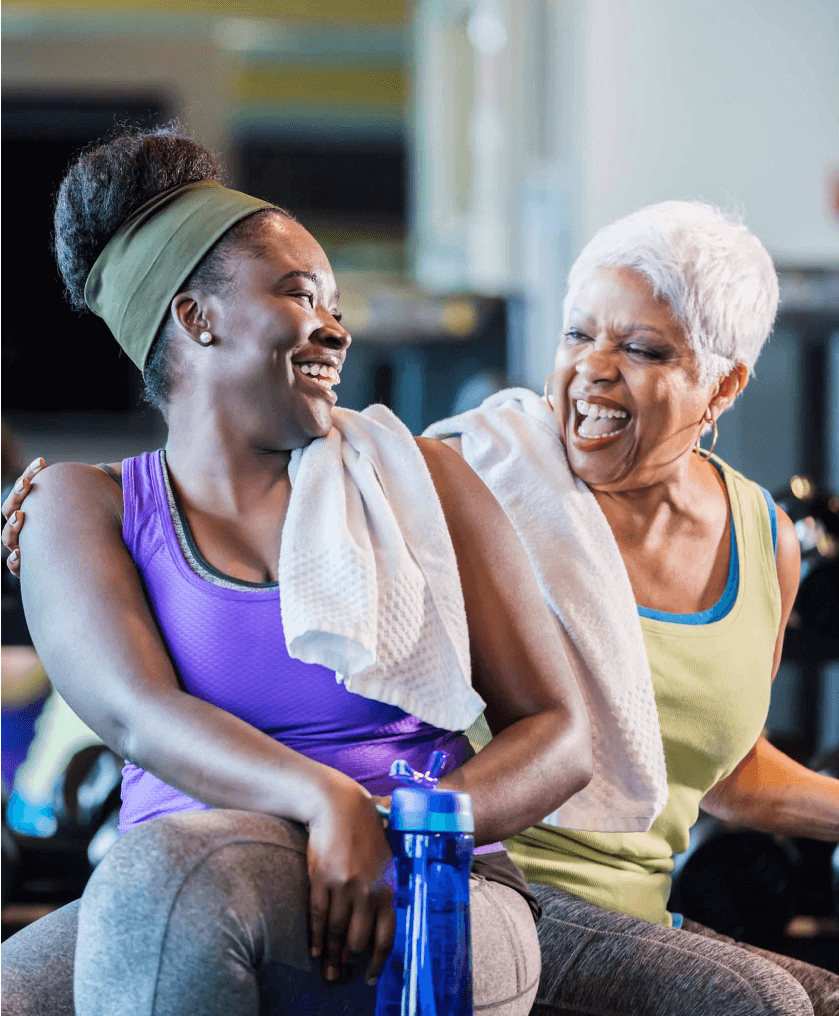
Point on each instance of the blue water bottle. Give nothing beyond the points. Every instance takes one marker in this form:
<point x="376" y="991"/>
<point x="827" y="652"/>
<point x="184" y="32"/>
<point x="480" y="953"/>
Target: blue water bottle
<point x="429" y="970"/>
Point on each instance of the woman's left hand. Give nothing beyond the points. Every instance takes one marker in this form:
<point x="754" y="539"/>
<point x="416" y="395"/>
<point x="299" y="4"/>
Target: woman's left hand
<point x="13" y="514"/>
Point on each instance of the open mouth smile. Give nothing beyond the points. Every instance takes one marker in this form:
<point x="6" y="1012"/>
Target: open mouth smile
<point x="598" y="422"/>
<point x="323" y="374"/>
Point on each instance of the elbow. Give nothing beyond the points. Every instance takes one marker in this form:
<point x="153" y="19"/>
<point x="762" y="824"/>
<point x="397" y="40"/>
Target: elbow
<point x="581" y="755"/>
<point x="124" y="743"/>
<point x="121" y="736"/>
<point x="572" y="755"/>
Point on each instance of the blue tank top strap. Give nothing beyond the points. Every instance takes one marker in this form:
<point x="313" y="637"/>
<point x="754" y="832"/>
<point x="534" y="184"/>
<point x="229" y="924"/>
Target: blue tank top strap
<point x="723" y="604"/>
<point x="719" y="609"/>
<point x="773" y="518"/>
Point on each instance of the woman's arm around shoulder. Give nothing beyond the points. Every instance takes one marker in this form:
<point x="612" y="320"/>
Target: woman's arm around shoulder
<point x="541" y="750"/>
<point x="768" y="790"/>
<point x="100" y="644"/>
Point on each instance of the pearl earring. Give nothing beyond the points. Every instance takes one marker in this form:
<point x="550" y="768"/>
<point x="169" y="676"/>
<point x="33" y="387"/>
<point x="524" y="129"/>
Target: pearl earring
<point x="205" y="338"/>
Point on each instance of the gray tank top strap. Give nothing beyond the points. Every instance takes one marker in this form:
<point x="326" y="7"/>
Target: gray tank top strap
<point x="111" y="472"/>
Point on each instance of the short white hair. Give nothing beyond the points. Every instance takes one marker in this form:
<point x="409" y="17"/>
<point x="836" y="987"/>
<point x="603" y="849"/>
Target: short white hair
<point x="715" y="275"/>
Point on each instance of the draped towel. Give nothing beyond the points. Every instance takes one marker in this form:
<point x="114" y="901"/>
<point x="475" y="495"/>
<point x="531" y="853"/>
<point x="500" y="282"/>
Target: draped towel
<point x="512" y="442"/>
<point x="368" y="578"/>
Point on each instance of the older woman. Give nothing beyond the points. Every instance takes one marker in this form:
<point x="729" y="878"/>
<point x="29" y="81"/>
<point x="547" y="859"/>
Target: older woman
<point x="253" y="854"/>
<point x="666" y="312"/>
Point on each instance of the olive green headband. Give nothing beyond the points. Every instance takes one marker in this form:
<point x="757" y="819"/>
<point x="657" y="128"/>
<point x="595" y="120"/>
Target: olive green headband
<point x="153" y="253"/>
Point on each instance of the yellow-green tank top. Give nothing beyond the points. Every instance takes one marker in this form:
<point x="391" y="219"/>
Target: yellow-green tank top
<point x="711" y="682"/>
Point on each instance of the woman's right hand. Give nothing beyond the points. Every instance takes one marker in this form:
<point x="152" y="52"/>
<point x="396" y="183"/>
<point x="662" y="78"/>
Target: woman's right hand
<point x="13" y="514"/>
<point x="350" y="903"/>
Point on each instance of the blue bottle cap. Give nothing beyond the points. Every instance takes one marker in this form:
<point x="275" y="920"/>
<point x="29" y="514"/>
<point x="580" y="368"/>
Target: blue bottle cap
<point x="418" y="809"/>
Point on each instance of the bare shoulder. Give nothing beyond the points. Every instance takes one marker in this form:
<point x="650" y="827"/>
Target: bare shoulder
<point x="72" y="489"/>
<point x="455" y="441"/>
<point x="445" y="464"/>
<point x="434" y="449"/>
<point x="788" y="560"/>
<point x="463" y="494"/>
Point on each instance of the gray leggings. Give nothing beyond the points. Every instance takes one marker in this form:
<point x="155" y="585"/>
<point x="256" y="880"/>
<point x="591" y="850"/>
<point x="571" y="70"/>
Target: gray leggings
<point x="599" y="962"/>
<point x="205" y="913"/>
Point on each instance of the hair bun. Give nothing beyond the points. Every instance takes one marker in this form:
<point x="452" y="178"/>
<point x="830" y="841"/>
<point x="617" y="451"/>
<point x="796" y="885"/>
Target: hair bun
<point x="108" y="181"/>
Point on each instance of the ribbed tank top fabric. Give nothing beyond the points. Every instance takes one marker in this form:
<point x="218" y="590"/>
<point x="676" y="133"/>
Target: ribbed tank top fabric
<point x="711" y="683"/>
<point x="228" y="648"/>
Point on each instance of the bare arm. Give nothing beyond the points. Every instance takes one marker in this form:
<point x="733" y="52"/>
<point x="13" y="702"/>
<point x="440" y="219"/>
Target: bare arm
<point x="98" y="640"/>
<point x="541" y="750"/>
<point x="99" y="643"/>
<point x="768" y="790"/>
<point x="771" y="792"/>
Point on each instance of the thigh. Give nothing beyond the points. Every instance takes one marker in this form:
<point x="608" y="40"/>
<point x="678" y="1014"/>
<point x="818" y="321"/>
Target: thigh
<point x="185" y="911"/>
<point x="38" y="966"/>
<point x="505" y="949"/>
<point x="600" y="962"/>
<point x="822" y="986"/>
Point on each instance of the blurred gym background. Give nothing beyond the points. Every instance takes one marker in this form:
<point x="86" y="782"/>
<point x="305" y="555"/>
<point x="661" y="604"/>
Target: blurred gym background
<point x="452" y="156"/>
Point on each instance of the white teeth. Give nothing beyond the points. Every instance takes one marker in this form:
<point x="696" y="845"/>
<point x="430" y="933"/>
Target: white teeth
<point x="585" y="433"/>
<point x="321" y="370"/>
<point x="595" y="412"/>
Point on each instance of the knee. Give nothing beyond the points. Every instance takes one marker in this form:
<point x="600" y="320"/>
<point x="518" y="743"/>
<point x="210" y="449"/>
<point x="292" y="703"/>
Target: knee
<point x="780" y="992"/>
<point x="166" y="851"/>
<point x="38" y="967"/>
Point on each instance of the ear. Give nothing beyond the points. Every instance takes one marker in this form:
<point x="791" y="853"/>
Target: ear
<point x="729" y="388"/>
<point x="190" y="316"/>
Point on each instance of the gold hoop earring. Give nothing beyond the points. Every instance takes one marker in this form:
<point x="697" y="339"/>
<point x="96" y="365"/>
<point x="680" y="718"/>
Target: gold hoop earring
<point x="547" y="396"/>
<point x="700" y="451"/>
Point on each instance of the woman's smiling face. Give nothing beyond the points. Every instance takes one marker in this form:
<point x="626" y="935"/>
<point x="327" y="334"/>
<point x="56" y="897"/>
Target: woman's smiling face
<point x="626" y="391"/>
<point x="285" y="344"/>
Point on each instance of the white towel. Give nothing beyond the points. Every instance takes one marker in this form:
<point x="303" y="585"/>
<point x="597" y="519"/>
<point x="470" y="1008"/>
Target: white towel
<point x="512" y="442"/>
<point x="368" y="578"/>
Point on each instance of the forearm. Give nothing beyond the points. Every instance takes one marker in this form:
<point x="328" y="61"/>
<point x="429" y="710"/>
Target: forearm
<point x="526" y="771"/>
<point x="222" y="761"/>
<point x="771" y="792"/>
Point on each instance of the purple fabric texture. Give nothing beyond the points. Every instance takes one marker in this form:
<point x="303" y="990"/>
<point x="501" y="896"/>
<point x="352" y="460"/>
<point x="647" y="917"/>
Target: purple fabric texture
<point x="228" y="648"/>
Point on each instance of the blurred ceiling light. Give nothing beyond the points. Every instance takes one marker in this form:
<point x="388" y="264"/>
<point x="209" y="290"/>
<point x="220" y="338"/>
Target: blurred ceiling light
<point x="459" y="317"/>
<point x="801" y="486"/>
<point x="487" y="32"/>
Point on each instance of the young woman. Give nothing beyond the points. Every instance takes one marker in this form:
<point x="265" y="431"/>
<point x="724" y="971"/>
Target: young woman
<point x="253" y="853"/>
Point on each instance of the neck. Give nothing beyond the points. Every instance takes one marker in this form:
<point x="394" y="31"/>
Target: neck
<point x="214" y="464"/>
<point x="681" y="491"/>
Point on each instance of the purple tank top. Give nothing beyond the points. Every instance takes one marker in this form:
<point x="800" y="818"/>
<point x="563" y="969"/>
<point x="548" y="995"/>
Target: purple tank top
<point x="228" y="648"/>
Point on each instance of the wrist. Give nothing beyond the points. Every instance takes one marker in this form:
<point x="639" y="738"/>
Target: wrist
<point x="332" y="790"/>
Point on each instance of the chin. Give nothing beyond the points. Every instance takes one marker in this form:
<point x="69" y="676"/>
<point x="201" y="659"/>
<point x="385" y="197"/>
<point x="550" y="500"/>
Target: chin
<point x="322" y="421"/>
<point x="597" y="473"/>
<point x="318" y="424"/>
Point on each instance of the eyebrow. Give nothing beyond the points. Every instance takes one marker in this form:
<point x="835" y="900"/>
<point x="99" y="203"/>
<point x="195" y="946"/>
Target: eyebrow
<point x="632" y="326"/>
<point x="299" y="273"/>
<point x="582" y="314"/>
<point x="637" y="326"/>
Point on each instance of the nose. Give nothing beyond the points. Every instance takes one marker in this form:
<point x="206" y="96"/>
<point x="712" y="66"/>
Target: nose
<point x="333" y="334"/>
<point x="597" y="364"/>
